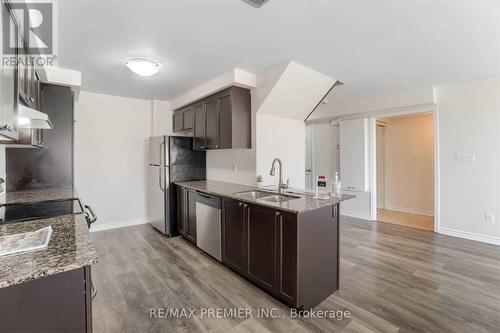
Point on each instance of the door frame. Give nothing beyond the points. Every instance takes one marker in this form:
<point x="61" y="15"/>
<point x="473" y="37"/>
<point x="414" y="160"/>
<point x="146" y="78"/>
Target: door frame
<point x="429" y="108"/>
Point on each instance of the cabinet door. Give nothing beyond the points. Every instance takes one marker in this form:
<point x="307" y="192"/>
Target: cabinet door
<point x="212" y="124"/>
<point x="191" y="222"/>
<point x="188" y="119"/>
<point x="199" y="127"/>
<point x="182" y="210"/>
<point x="287" y="258"/>
<point x="233" y="235"/>
<point x="178" y="121"/>
<point x="261" y="247"/>
<point x="225" y="122"/>
<point x="8" y="82"/>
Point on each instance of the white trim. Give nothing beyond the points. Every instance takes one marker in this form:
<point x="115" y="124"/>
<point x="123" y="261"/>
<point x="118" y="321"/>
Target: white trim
<point x="470" y="236"/>
<point x="410" y="210"/>
<point x="406" y="111"/>
<point x="119" y="224"/>
<point x="373" y="167"/>
<point x="357" y="215"/>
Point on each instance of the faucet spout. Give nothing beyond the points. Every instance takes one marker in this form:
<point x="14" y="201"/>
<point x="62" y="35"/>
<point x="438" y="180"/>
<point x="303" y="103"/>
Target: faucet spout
<point x="281" y="186"/>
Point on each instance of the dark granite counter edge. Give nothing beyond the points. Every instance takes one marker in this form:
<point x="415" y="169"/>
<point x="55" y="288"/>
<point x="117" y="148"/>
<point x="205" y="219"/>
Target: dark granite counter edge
<point x="49" y="272"/>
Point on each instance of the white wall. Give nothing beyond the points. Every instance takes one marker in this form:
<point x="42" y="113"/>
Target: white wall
<point x="111" y="140"/>
<point x="161" y="120"/>
<point x="469" y="122"/>
<point x="409" y="164"/>
<point x="285" y="139"/>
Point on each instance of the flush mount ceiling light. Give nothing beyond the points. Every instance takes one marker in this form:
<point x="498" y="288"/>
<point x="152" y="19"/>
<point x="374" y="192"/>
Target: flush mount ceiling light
<point x="257" y="3"/>
<point x="142" y="66"/>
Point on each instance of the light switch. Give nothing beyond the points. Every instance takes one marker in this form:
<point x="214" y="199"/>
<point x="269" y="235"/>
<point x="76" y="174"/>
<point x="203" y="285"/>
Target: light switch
<point x="489" y="217"/>
<point x="465" y="157"/>
<point x="235" y="168"/>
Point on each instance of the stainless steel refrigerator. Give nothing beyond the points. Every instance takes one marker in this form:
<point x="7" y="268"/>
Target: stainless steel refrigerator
<point x="171" y="159"/>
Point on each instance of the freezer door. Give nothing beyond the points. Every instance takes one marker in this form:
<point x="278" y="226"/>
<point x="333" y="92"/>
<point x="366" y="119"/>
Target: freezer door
<point x="157" y="150"/>
<point x="158" y="197"/>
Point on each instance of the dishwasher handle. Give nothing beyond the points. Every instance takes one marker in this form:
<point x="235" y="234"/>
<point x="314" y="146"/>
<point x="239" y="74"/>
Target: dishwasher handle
<point x="208" y="200"/>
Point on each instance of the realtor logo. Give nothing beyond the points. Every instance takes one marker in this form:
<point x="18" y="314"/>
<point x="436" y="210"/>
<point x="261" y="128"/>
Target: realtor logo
<point x="34" y="28"/>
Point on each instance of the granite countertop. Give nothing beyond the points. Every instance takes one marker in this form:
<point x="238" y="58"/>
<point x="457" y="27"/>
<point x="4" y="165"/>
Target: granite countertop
<point x="69" y="248"/>
<point x="303" y="203"/>
<point x="30" y="196"/>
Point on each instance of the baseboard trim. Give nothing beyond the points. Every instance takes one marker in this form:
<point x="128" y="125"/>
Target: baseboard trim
<point x="411" y="210"/>
<point x="469" y="236"/>
<point x="355" y="214"/>
<point x="118" y="224"/>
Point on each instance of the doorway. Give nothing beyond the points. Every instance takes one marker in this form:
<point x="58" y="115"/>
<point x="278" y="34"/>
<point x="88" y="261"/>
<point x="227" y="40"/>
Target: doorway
<point x="405" y="170"/>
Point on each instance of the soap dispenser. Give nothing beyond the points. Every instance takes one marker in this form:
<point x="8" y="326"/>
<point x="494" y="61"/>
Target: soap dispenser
<point x="336" y="186"/>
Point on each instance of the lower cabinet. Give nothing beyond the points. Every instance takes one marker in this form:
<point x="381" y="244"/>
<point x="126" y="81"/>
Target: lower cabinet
<point x="56" y="303"/>
<point x="234" y="235"/>
<point x="191" y="221"/>
<point x="186" y="213"/>
<point x="262" y="247"/>
<point x="260" y="244"/>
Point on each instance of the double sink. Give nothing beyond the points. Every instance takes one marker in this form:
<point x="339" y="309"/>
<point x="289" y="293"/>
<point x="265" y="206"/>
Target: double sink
<point x="266" y="196"/>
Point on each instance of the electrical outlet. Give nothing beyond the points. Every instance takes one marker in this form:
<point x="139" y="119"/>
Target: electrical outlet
<point x="489" y="217"/>
<point x="465" y="157"/>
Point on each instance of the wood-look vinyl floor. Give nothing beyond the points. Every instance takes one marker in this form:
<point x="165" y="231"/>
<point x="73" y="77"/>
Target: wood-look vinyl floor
<point x="393" y="279"/>
<point x="418" y="221"/>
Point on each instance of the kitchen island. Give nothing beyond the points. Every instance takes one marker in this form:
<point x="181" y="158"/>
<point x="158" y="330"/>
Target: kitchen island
<point x="288" y="245"/>
<point x="47" y="289"/>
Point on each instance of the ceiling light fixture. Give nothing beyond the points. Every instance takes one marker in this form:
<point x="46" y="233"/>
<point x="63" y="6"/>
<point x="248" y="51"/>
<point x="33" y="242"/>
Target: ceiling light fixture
<point x="257" y="3"/>
<point x="142" y="66"/>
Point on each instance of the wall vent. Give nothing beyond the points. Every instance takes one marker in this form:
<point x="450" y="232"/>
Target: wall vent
<point x="257" y="3"/>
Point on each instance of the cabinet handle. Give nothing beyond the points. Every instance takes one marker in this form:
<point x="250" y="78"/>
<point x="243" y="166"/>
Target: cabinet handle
<point x="240" y="204"/>
<point x="277" y="213"/>
<point x="245" y="205"/>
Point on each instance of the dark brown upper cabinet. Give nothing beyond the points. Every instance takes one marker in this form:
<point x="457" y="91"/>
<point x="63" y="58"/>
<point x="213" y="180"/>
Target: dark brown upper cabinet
<point x="220" y="121"/>
<point x="200" y="117"/>
<point x="183" y="119"/>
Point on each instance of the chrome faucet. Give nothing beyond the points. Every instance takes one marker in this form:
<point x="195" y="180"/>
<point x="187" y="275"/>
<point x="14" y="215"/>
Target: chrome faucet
<point x="281" y="186"/>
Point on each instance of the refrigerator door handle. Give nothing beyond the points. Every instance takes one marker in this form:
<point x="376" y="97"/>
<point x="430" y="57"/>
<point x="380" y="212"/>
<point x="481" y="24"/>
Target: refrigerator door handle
<point x="162" y="160"/>
<point x="160" y="169"/>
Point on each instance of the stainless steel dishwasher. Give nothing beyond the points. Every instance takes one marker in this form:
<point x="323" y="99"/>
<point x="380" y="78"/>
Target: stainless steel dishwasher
<point x="208" y="224"/>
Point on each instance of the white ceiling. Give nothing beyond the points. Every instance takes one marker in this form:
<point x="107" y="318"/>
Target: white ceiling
<point x="372" y="46"/>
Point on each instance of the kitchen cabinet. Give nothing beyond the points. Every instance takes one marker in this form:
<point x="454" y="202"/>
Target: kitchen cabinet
<point x="212" y="124"/>
<point x="220" y="121"/>
<point x="182" y="211"/>
<point x="293" y="256"/>
<point x="261" y="246"/>
<point x="9" y="79"/>
<point x="286" y="270"/>
<point x="186" y="213"/>
<point x="199" y="127"/>
<point x="57" y="303"/>
<point x="234" y="235"/>
<point x="191" y="220"/>
<point x="354" y="154"/>
<point x="183" y="119"/>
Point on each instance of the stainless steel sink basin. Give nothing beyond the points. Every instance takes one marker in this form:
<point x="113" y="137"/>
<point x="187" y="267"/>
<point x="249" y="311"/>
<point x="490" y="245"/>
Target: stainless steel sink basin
<point x="278" y="198"/>
<point x="254" y="195"/>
